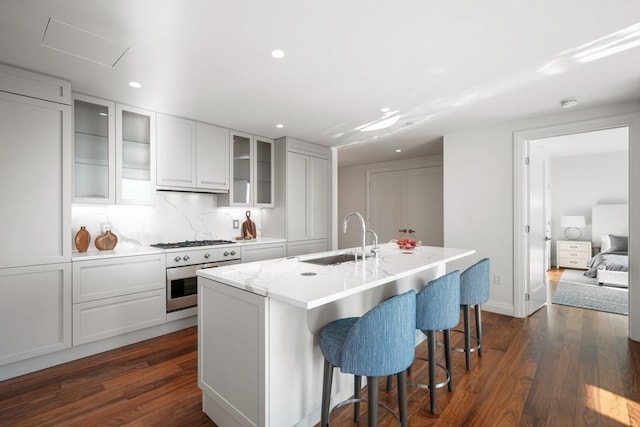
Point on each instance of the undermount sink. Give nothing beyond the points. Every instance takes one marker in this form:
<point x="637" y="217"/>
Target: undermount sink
<point x="333" y="259"/>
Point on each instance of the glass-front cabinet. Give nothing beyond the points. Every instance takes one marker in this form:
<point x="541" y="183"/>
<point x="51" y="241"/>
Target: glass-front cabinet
<point x="94" y="150"/>
<point x="241" y="170"/>
<point x="264" y="172"/>
<point x="113" y="154"/>
<point x="135" y="155"/>
<point x="251" y="172"/>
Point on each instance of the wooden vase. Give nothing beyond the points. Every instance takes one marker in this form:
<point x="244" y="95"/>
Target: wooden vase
<point x="106" y="241"/>
<point x="82" y="239"/>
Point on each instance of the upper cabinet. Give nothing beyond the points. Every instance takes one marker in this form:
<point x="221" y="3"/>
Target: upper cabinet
<point x="94" y="153"/>
<point x="191" y="155"/>
<point x="35" y="174"/>
<point x="251" y="172"/>
<point x="212" y="163"/>
<point x="114" y="153"/>
<point x="135" y="155"/>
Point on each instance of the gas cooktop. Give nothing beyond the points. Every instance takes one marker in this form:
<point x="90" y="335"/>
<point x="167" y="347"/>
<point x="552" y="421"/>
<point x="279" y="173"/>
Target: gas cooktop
<point x="191" y="244"/>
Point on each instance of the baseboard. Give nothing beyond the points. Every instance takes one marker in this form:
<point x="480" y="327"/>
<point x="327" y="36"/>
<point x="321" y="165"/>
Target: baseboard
<point x="498" y="308"/>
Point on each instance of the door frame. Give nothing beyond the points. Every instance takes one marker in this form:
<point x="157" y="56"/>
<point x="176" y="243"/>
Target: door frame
<point x="520" y="197"/>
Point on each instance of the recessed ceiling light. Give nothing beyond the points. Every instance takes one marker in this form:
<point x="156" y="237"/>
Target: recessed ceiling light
<point x="279" y="125"/>
<point x="385" y="109"/>
<point x="135" y="85"/>
<point x="568" y="103"/>
<point x="398" y="150"/>
<point x="277" y="54"/>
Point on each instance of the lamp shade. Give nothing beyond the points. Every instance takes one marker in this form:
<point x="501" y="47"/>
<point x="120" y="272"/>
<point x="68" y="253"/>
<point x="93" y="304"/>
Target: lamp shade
<point x="577" y="221"/>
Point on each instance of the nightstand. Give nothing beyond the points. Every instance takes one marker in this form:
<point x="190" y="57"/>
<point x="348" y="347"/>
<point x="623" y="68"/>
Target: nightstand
<point x="573" y="253"/>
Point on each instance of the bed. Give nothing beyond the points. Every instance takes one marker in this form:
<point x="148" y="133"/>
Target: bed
<point x="609" y="233"/>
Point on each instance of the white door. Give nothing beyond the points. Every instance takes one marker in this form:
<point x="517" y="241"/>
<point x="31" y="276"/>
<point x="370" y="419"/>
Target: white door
<point x="537" y="230"/>
<point x="424" y="205"/>
<point x="387" y="203"/>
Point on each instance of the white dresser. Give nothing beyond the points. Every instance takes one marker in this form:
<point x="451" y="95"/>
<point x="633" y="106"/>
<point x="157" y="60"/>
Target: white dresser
<point x="573" y="253"/>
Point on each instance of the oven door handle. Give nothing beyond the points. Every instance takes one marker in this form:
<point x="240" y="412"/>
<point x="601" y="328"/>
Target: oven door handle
<point x="209" y="265"/>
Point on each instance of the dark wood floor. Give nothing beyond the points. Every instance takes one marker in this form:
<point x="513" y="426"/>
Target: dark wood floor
<point x="563" y="366"/>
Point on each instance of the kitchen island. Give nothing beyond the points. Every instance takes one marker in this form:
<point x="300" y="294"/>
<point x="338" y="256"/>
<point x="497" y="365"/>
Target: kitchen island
<point x="259" y="362"/>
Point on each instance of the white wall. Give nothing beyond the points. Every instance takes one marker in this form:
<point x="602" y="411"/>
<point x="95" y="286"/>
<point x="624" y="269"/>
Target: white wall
<point x="352" y="189"/>
<point x="578" y="183"/>
<point x="479" y="198"/>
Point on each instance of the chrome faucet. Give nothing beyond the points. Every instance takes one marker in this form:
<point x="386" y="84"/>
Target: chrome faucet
<point x="363" y="231"/>
<point x="375" y="249"/>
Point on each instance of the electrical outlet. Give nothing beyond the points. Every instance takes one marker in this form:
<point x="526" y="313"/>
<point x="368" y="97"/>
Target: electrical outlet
<point x="497" y="280"/>
<point x="236" y="223"/>
<point x="105" y="226"/>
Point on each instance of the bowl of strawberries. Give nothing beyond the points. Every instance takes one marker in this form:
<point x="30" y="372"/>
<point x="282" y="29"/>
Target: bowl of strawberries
<point x="407" y="243"/>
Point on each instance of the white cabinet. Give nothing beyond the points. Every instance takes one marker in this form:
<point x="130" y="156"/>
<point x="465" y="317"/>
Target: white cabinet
<point x="212" y="163"/>
<point x="35" y="311"/>
<point x="135" y="155"/>
<point x="114" y="153"/>
<point x="34" y="85"/>
<point x="302" y="212"/>
<point x="252" y="172"/>
<point x="573" y="253"/>
<point x="263" y="251"/>
<point x="307" y="197"/>
<point x="117" y="295"/>
<point x="176" y="152"/>
<point x="35" y="181"/>
<point x="191" y="155"/>
<point x="94" y="156"/>
<point x="303" y="247"/>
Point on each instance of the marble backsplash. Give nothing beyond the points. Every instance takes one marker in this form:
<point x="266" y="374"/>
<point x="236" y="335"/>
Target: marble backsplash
<point x="176" y="216"/>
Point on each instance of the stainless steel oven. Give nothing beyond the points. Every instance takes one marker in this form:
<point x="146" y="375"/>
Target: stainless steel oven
<point x="182" y="282"/>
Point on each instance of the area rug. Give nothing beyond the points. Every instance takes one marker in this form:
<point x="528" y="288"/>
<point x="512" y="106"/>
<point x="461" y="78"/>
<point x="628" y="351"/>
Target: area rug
<point x="577" y="290"/>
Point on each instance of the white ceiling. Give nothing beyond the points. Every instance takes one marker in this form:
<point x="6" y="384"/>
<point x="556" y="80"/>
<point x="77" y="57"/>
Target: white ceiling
<point x="443" y="66"/>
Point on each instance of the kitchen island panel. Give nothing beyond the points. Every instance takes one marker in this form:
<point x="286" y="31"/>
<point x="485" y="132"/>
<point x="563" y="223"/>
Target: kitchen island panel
<point x="289" y="356"/>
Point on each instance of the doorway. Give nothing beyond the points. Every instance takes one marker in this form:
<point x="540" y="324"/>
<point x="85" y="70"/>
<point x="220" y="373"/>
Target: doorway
<point x="523" y="239"/>
<point x="580" y="170"/>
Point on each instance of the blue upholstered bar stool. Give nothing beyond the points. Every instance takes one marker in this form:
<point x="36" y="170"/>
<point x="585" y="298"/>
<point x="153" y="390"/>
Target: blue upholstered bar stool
<point x="438" y="309"/>
<point x="474" y="290"/>
<point x="380" y="343"/>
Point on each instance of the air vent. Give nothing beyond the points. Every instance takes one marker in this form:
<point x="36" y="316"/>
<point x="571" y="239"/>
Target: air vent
<point x="83" y="44"/>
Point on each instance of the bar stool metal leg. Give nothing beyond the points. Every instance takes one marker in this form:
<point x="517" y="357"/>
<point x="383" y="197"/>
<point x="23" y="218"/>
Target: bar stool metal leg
<point x="431" y="344"/>
<point x="402" y="399"/>
<point x="467" y="336"/>
<point x="372" y="400"/>
<point x="479" y="328"/>
<point x="447" y="356"/>
<point x="357" y="388"/>
<point x="326" y="393"/>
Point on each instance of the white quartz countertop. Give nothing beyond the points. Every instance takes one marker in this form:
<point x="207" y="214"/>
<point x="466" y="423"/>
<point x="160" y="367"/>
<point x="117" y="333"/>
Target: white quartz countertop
<point x="134" y="250"/>
<point x="309" y="285"/>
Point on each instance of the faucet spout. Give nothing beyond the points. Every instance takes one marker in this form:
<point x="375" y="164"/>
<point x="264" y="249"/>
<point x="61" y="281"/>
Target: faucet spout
<point x="363" y="230"/>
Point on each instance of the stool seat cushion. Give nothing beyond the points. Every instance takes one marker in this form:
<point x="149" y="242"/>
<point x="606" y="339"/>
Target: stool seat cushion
<point x="332" y="338"/>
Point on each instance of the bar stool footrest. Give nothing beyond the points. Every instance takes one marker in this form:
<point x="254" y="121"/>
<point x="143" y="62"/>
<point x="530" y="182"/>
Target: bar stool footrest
<point x="438" y="385"/>
<point x="461" y="349"/>
<point x="353" y="400"/>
